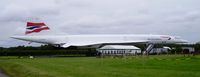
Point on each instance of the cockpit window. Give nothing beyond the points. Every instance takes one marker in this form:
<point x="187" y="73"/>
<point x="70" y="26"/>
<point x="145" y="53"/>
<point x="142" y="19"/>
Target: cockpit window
<point x="166" y="37"/>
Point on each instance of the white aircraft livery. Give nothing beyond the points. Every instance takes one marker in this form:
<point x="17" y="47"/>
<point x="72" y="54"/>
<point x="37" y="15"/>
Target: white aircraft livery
<point x="89" y="40"/>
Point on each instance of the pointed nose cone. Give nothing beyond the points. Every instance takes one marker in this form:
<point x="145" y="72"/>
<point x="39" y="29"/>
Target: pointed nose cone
<point x="184" y="41"/>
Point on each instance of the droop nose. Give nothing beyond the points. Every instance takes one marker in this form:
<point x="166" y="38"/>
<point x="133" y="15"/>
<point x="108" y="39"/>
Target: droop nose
<point x="184" y="41"/>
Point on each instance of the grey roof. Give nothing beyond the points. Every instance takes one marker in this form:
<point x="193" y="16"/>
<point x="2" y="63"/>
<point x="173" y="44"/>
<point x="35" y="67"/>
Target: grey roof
<point x="119" y="47"/>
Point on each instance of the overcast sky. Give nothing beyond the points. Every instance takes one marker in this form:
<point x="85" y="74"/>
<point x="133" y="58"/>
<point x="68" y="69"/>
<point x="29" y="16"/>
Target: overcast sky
<point x="171" y="17"/>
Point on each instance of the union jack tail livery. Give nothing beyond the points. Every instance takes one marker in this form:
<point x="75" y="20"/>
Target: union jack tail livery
<point x="35" y="27"/>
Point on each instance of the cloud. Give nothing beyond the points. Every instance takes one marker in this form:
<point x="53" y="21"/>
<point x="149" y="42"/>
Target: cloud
<point x="174" y="17"/>
<point x="23" y="10"/>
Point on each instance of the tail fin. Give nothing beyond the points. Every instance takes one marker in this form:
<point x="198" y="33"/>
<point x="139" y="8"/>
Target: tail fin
<point x="35" y="27"/>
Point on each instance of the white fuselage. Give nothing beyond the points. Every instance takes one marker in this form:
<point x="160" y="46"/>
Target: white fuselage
<point x="81" y="40"/>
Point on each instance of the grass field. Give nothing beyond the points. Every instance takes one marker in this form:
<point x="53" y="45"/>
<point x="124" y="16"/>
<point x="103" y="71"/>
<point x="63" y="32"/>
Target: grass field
<point x="152" y="66"/>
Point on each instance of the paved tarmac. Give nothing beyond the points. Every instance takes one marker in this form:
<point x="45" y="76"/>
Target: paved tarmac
<point x="2" y="74"/>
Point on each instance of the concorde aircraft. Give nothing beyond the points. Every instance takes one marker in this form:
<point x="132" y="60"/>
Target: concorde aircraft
<point x="89" y="40"/>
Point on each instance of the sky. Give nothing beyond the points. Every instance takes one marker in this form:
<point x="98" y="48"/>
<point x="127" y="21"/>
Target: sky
<point x="170" y="17"/>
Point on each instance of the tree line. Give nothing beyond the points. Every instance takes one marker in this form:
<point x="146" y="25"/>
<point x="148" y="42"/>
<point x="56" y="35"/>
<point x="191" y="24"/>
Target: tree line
<point x="75" y="51"/>
<point x="46" y="50"/>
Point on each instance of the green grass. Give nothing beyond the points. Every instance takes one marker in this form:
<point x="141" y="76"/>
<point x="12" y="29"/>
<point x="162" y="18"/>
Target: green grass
<point x="152" y="66"/>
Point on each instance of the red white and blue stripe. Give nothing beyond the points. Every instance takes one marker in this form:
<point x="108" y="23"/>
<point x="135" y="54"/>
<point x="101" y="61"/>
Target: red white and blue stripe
<point x="35" y="27"/>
